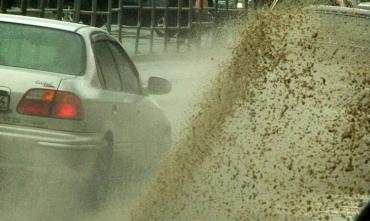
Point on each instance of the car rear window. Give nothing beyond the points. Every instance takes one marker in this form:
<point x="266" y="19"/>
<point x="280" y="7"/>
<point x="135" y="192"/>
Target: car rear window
<point x="39" y="48"/>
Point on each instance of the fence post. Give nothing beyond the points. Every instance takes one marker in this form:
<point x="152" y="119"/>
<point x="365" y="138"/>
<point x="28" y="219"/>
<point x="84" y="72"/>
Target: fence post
<point x="77" y="10"/>
<point x="120" y="11"/>
<point x="24" y="4"/>
<point x="165" y="25"/>
<point x="109" y="16"/>
<point x="93" y="12"/>
<point x="179" y="13"/>
<point x="60" y="4"/>
<point x="190" y="22"/>
<point x="227" y="9"/>
<point x="42" y="8"/>
<point x="3" y="6"/>
<point x="246" y="5"/>
<point x="138" y="28"/>
<point x="152" y="25"/>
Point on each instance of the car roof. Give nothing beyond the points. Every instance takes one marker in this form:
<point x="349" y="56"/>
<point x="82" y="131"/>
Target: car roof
<point x="41" y="22"/>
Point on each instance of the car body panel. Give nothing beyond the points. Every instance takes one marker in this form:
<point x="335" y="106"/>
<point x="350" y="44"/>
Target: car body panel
<point x="139" y="127"/>
<point x="9" y="82"/>
<point x="45" y="151"/>
<point x="72" y="27"/>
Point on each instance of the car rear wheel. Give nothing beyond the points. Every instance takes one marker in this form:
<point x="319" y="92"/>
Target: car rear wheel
<point x="99" y="185"/>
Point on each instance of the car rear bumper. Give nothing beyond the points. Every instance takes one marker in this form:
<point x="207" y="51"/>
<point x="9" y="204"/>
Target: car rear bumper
<point x="47" y="151"/>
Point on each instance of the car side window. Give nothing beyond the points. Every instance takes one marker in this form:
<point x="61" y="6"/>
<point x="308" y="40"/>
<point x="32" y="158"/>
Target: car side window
<point x="127" y="71"/>
<point x="107" y="66"/>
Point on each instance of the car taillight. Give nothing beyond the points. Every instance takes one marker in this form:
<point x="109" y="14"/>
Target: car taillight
<point x="51" y="103"/>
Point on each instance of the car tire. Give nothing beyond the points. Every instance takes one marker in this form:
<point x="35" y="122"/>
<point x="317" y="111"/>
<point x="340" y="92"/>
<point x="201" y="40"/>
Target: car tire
<point x="99" y="184"/>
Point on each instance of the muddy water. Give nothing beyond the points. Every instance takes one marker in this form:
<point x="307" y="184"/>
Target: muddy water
<point x="282" y="133"/>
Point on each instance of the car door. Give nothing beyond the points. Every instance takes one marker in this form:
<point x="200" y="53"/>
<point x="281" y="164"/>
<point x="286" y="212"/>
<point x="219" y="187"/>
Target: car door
<point x="111" y="97"/>
<point x="143" y="116"/>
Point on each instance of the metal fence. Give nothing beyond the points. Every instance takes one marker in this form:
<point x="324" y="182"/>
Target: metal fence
<point x="175" y="22"/>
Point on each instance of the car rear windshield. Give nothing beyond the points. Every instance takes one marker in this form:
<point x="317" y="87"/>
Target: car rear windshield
<point x="39" y="48"/>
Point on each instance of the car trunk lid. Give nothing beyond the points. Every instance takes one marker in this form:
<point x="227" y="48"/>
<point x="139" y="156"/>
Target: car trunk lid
<point x="14" y="83"/>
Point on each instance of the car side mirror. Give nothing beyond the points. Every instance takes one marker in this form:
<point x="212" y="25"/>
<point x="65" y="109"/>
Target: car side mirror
<point x="158" y="86"/>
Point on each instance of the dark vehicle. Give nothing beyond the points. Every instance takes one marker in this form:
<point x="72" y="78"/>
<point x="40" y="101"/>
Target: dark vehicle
<point x="365" y="214"/>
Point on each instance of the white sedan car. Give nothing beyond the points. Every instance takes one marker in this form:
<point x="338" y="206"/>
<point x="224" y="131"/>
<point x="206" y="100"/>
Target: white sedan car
<point x="72" y="100"/>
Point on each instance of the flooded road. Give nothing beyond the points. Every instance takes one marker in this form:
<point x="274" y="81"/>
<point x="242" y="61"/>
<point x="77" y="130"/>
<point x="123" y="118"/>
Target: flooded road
<point x="275" y="128"/>
<point x="190" y="75"/>
<point x="281" y="134"/>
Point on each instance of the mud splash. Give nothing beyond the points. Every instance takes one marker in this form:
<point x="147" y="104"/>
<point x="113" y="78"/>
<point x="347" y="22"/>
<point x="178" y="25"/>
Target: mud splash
<point x="282" y="134"/>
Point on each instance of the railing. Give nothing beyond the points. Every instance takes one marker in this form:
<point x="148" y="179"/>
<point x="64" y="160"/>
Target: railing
<point x="159" y="21"/>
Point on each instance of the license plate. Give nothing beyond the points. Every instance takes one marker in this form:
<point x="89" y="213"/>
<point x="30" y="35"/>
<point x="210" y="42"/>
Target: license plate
<point x="4" y="102"/>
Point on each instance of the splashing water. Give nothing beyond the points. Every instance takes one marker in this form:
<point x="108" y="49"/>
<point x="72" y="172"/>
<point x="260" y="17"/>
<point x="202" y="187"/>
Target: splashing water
<point x="282" y="134"/>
